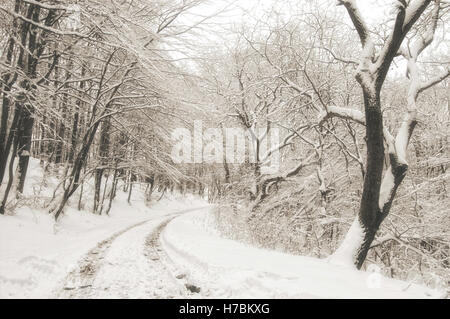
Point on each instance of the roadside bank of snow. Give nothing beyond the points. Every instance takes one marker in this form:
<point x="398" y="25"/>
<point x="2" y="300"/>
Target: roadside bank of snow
<point x="229" y="269"/>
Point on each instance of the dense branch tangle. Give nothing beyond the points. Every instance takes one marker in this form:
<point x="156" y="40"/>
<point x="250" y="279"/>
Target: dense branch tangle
<point x="64" y="87"/>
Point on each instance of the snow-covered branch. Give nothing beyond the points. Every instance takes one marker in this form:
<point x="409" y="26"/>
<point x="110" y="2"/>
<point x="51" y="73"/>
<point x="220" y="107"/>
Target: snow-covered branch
<point x="397" y="150"/>
<point x="268" y="180"/>
<point x="432" y="82"/>
<point x="407" y="15"/>
<point x="426" y="40"/>
<point x="350" y="114"/>
<point x="287" y="141"/>
<point x="46" y="5"/>
<point x="42" y="26"/>
<point x="343" y="113"/>
<point x="358" y="21"/>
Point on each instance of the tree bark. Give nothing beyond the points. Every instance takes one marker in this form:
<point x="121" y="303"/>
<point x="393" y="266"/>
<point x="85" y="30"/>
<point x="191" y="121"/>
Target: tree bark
<point x="369" y="208"/>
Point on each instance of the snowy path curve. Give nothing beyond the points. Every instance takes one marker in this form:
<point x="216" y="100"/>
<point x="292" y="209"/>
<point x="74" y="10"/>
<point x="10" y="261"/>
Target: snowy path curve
<point x="129" y="264"/>
<point x="225" y="268"/>
<point x="182" y="255"/>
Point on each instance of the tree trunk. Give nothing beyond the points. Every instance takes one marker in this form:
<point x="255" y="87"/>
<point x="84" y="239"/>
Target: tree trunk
<point x="130" y="188"/>
<point x="369" y="208"/>
<point x="25" y="135"/>
<point x="103" y="160"/>
<point x="11" y="168"/>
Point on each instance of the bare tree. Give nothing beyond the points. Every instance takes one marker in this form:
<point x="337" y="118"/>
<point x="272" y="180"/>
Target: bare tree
<point x="378" y="190"/>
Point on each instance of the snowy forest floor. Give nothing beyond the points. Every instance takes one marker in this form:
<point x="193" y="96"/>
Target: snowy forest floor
<point x="170" y="250"/>
<point x="43" y="259"/>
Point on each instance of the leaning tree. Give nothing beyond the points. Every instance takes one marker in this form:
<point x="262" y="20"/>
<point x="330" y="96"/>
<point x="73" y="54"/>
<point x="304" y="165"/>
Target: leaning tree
<point x="379" y="189"/>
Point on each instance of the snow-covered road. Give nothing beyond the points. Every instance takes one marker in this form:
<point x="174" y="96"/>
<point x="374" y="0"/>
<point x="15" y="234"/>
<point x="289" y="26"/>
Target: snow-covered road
<point x="39" y="258"/>
<point x="129" y="264"/>
<point x="171" y="250"/>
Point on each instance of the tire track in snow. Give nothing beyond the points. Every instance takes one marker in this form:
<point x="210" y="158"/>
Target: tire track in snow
<point x="82" y="277"/>
<point x="155" y="253"/>
<point x="129" y="264"/>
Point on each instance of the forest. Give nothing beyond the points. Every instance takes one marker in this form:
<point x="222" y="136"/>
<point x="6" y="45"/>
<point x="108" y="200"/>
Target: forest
<point x="341" y="111"/>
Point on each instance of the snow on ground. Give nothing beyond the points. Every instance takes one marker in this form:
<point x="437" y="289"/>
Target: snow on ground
<point x="36" y="253"/>
<point x="345" y="253"/>
<point x="225" y="268"/>
<point x="35" y="256"/>
<point x="123" y="256"/>
<point x="131" y="264"/>
<point x="134" y="271"/>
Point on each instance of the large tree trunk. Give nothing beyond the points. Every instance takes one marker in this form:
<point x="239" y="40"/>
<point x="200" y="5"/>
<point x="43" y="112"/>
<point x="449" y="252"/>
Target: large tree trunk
<point x="7" y="83"/>
<point x="357" y="242"/>
<point x="23" y="32"/>
<point x="378" y="194"/>
<point x="15" y="138"/>
<point x="369" y="209"/>
<point x="36" y="46"/>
